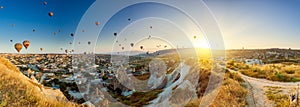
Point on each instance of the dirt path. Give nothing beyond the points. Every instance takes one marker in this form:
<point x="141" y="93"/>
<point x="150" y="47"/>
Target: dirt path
<point x="257" y="88"/>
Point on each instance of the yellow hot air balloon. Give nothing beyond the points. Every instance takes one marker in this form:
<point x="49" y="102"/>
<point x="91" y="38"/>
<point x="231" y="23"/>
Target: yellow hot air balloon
<point x="18" y="47"/>
<point x="26" y="44"/>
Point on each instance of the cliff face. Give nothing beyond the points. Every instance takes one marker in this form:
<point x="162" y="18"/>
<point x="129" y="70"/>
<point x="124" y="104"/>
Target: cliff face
<point x="18" y="90"/>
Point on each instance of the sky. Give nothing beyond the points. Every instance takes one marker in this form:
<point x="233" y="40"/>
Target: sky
<point x="250" y="24"/>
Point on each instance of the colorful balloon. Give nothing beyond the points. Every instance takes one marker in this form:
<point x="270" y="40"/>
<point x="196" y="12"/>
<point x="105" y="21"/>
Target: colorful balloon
<point x="50" y="14"/>
<point x="18" y="47"/>
<point x="26" y="43"/>
<point x="45" y="3"/>
<point x="97" y="23"/>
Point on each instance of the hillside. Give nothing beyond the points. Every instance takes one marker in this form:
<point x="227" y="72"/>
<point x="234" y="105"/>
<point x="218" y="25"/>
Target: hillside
<point x="18" y="90"/>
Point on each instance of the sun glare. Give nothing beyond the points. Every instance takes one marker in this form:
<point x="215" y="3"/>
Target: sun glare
<point x="201" y="44"/>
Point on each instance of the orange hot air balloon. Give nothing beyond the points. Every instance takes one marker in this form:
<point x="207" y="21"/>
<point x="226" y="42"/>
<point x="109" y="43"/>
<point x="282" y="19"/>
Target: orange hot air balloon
<point x="97" y="23"/>
<point x="26" y="44"/>
<point x="18" y="47"/>
<point x="50" y="14"/>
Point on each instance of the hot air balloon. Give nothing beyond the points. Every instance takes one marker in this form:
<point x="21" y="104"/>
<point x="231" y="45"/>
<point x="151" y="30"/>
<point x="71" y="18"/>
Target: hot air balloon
<point x="149" y="37"/>
<point x="41" y="49"/>
<point x="89" y="42"/>
<point x="66" y="50"/>
<point x="45" y="3"/>
<point x="142" y="47"/>
<point x="83" y="30"/>
<point x="115" y="34"/>
<point x="61" y="48"/>
<point x="147" y="52"/>
<point x="166" y="46"/>
<point x="26" y="43"/>
<point x="54" y="33"/>
<point x="123" y="48"/>
<point x="97" y="23"/>
<point x="129" y="19"/>
<point x="70" y="43"/>
<point x="72" y="34"/>
<point x="18" y="47"/>
<point x="131" y="44"/>
<point x="195" y="37"/>
<point x="73" y="51"/>
<point x="78" y="42"/>
<point x="150" y="27"/>
<point x="50" y="14"/>
<point x="33" y="30"/>
<point x="11" y="40"/>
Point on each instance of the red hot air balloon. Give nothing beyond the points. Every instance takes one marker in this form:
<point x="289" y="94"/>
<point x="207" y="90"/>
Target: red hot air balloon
<point x="26" y="44"/>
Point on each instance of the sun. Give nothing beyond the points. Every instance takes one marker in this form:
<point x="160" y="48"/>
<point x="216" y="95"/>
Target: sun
<point x="202" y="43"/>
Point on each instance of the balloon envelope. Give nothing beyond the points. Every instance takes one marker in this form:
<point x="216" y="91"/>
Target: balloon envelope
<point x="50" y="14"/>
<point x="18" y="47"/>
<point x="26" y="43"/>
<point x="141" y="47"/>
<point x="97" y="23"/>
<point x="132" y="44"/>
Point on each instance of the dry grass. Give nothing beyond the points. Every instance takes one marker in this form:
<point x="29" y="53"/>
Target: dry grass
<point x="16" y="90"/>
<point x="231" y="94"/>
<point x="275" y="94"/>
<point x="275" y="72"/>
